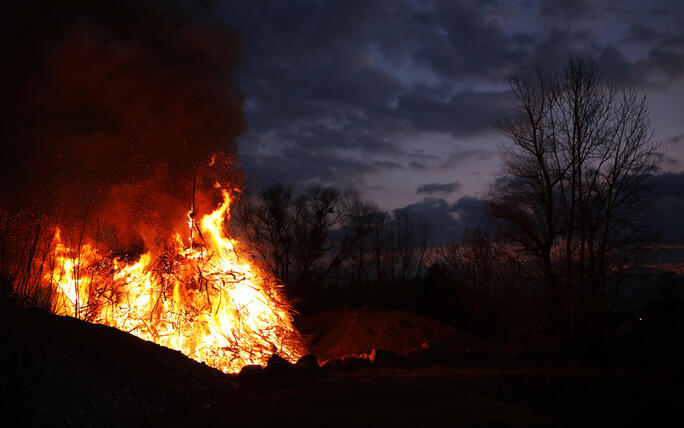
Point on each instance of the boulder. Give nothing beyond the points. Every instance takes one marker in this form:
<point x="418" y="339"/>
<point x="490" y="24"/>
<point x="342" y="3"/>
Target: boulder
<point x="430" y="346"/>
<point x="277" y="362"/>
<point x="352" y="362"/>
<point x="278" y="367"/>
<point x="251" y="374"/>
<point x="335" y="364"/>
<point x="383" y="357"/>
<point x="309" y="361"/>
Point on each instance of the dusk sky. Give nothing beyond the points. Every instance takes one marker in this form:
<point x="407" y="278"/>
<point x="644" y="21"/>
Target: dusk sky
<point x="399" y="98"/>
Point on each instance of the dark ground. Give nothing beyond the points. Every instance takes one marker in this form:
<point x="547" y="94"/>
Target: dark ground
<point x="58" y="371"/>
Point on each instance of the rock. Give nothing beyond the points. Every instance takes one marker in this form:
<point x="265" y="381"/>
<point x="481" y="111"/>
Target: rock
<point x="383" y="357"/>
<point x="351" y="362"/>
<point x="333" y="364"/>
<point x="309" y="361"/>
<point x="251" y="373"/>
<point x="433" y="346"/>
<point x="276" y="362"/>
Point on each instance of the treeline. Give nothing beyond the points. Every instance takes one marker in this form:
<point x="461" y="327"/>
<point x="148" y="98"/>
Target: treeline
<point x="323" y="239"/>
<point x="332" y="247"/>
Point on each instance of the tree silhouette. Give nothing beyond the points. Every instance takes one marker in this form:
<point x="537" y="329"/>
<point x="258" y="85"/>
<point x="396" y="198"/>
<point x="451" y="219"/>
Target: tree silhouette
<point x="576" y="192"/>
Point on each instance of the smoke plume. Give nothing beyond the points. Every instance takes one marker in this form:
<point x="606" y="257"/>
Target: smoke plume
<point x="111" y="108"/>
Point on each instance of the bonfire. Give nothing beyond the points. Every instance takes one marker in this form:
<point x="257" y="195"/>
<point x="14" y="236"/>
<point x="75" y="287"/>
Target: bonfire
<point x="198" y="295"/>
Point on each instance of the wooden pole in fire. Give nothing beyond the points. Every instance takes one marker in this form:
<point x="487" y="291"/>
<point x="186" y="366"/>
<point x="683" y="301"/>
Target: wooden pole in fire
<point x="192" y="213"/>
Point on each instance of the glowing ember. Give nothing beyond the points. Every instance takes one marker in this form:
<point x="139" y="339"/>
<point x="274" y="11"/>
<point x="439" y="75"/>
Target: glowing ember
<point x="202" y="300"/>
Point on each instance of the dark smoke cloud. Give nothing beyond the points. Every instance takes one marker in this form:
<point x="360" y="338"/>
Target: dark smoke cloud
<point x="115" y="105"/>
<point x="443" y="188"/>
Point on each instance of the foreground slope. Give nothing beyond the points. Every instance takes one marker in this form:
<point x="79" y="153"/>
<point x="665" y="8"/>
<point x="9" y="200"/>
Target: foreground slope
<point x="60" y="371"/>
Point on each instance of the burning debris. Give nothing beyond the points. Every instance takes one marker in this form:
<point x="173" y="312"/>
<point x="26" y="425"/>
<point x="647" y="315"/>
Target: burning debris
<point x="202" y="299"/>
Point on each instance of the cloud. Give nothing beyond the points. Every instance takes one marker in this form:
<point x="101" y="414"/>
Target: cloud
<point x="470" y="210"/>
<point x="670" y="206"/>
<point x="458" y="158"/>
<point x="368" y="77"/>
<point x="670" y="185"/>
<point x="320" y="81"/>
<point x="436" y="213"/>
<point x="465" y="113"/>
<point x="676" y="139"/>
<point x="569" y="10"/>
<point x="640" y="33"/>
<point x="418" y="166"/>
<point x="443" y="188"/>
<point x="303" y="168"/>
<point x="447" y="221"/>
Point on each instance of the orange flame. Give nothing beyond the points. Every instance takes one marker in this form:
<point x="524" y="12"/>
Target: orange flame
<point x="203" y="300"/>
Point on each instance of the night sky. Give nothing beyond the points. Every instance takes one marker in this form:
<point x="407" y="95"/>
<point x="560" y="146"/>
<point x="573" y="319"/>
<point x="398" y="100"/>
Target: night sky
<point x="399" y="98"/>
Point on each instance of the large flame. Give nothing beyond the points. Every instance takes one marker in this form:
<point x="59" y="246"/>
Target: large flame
<point x="200" y="298"/>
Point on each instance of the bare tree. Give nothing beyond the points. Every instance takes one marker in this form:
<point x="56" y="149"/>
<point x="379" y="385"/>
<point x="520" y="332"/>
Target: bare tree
<point x="329" y="225"/>
<point x="484" y="264"/>
<point x="576" y="189"/>
<point x="324" y="237"/>
<point x="411" y="238"/>
<point x="397" y="247"/>
<point x="266" y="222"/>
<point x="307" y="239"/>
<point x="362" y="216"/>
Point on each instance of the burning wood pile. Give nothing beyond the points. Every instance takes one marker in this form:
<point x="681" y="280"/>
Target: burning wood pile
<point x="108" y="114"/>
<point x="200" y="298"/>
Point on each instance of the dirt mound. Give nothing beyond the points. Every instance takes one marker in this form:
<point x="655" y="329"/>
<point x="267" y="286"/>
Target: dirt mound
<point x="63" y="372"/>
<point x="345" y="331"/>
